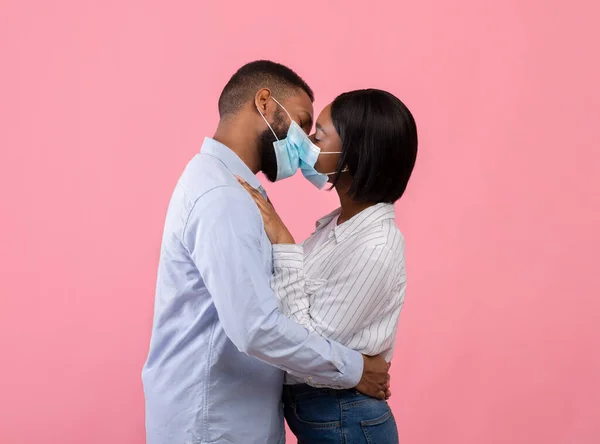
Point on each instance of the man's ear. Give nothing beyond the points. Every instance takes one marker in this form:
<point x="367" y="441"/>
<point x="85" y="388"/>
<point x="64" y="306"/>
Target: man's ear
<point x="262" y="100"/>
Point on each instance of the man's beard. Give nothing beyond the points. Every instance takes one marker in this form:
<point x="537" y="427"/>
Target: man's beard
<point x="268" y="159"/>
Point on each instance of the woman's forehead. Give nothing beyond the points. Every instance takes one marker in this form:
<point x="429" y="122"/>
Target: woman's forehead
<point x="324" y="119"/>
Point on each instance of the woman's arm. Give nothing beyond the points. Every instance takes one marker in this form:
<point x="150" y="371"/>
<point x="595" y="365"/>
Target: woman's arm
<point x="364" y="287"/>
<point x="288" y="283"/>
<point x="361" y="290"/>
<point x="288" y="262"/>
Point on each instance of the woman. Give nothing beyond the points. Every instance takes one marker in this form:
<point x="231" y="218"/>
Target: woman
<point x="347" y="280"/>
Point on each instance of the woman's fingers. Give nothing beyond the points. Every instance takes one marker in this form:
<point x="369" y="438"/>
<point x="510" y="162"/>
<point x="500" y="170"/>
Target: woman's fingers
<point x="276" y="230"/>
<point x="245" y="184"/>
<point x="264" y="206"/>
<point x="253" y="191"/>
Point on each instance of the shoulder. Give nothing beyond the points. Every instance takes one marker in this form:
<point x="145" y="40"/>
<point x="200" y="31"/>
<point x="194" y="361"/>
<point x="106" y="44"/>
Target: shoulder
<point x="228" y="201"/>
<point x="204" y="173"/>
<point x="381" y="242"/>
<point x="207" y="189"/>
<point x="394" y="239"/>
<point x="383" y="233"/>
<point x="224" y="209"/>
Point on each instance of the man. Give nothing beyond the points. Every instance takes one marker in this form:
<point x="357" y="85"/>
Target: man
<point x="219" y="346"/>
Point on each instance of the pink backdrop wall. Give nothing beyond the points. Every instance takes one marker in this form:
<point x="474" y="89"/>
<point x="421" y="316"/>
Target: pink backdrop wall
<point x="102" y="104"/>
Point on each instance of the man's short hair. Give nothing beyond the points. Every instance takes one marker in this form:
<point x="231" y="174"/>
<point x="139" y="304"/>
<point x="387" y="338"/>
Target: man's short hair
<point x="244" y="84"/>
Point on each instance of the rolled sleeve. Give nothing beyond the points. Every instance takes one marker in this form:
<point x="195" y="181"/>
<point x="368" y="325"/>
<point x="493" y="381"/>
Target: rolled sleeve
<point x="288" y="256"/>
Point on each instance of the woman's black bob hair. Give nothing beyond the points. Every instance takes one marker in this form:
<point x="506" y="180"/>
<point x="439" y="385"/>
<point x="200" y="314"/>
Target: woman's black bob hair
<point x="379" y="144"/>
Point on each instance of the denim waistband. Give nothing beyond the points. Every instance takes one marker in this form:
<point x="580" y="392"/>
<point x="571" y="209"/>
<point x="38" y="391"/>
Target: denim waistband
<point x="304" y="391"/>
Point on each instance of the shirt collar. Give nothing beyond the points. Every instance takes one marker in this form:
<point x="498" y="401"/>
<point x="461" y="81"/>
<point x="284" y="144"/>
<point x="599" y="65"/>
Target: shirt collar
<point x="231" y="160"/>
<point x="373" y="214"/>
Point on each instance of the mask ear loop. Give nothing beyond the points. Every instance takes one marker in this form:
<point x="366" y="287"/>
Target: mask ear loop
<point x="265" y="119"/>
<point x="286" y="111"/>
<point x="335" y="172"/>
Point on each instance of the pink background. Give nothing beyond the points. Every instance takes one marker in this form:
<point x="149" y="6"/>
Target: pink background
<point x="102" y="104"/>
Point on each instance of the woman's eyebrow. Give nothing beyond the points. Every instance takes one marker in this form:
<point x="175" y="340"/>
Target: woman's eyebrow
<point x="319" y="127"/>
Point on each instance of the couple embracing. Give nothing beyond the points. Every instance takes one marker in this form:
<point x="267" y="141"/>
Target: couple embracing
<point x="250" y="325"/>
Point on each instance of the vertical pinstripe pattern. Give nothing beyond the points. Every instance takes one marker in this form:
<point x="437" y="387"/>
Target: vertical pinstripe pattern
<point x="347" y="285"/>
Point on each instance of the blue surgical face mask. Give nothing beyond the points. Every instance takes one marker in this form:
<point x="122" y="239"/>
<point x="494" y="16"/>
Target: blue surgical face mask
<point x="308" y="153"/>
<point x="297" y="151"/>
<point x="285" y="153"/>
<point x="308" y="158"/>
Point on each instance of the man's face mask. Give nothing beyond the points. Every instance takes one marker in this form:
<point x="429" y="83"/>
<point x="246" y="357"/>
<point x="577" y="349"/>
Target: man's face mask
<point x="297" y="151"/>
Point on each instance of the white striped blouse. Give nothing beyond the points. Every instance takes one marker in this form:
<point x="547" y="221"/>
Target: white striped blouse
<point x="349" y="287"/>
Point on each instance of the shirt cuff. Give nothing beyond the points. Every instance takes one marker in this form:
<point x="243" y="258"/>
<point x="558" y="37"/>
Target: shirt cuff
<point x="354" y="370"/>
<point x="288" y="256"/>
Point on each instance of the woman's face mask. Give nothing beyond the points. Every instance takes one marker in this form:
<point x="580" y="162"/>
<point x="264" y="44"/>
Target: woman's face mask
<point x="297" y="151"/>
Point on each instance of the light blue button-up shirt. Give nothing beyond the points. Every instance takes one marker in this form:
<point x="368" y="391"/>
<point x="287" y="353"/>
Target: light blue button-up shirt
<point x="219" y="344"/>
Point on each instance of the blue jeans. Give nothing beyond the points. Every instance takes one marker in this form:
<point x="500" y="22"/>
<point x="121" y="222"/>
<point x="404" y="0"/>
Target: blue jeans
<point x="322" y="415"/>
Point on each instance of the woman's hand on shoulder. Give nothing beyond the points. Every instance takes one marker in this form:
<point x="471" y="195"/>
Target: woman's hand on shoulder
<point x="274" y="226"/>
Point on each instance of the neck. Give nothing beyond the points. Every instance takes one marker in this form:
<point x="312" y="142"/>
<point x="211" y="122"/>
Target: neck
<point x="240" y="137"/>
<point x="349" y="206"/>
